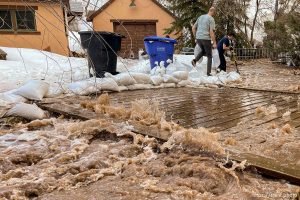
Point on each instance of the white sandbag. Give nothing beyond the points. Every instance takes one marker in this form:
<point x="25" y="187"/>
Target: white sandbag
<point x="158" y="70"/>
<point x="233" y="76"/>
<point x="181" y="75"/>
<point x="171" y="69"/>
<point x="157" y="80"/>
<point x="184" y="83"/>
<point x="124" y="79"/>
<point x="195" y="81"/>
<point x="140" y="87"/>
<point x="123" y="88"/>
<point x="10" y="97"/>
<point x="107" y="84"/>
<point x="141" y="78"/>
<point x="141" y="67"/>
<point x="157" y="86"/>
<point x="170" y="79"/>
<point x="3" y="104"/>
<point x="169" y="85"/>
<point x="28" y="111"/>
<point x="222" y="78"/>
<point x="210" y="80"/>
<point x="197" y="50"/>
<point x="79" y="75"/>
<point x="194" y="73"/>
<point x="54" y="92"/>
<point x="184" y="67"/>
<point x="33" y="90"/>
<point x="216" y="59"/>
<point x="85" y="87"/>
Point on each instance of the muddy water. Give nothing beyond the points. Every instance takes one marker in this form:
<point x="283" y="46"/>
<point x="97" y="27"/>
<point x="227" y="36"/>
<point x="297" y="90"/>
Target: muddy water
<point x="60" y="159"/>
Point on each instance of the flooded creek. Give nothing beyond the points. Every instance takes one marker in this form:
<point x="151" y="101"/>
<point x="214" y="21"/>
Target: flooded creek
<point x="61" y="158"/>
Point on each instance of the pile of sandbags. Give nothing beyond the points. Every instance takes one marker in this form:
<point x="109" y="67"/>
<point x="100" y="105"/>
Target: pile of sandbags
<point x="14" y="101"/>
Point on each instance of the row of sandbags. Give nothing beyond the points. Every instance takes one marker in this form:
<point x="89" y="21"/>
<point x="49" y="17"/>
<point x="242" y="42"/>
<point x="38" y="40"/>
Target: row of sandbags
<point x="127" y="81"/>
<point x="13" y="102"/>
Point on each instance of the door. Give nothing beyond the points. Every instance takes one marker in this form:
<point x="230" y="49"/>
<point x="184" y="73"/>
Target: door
<point x="135" y="32"/>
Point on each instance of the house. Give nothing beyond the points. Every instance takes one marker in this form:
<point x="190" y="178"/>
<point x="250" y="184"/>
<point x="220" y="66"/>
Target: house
<point x="134" y="19"/>
<point x="74" y="14"/>
<point x="36" y="24"/>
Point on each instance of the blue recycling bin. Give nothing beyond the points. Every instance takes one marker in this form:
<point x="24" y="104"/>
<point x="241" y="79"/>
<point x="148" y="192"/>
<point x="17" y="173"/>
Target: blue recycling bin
<point x="159" y="49"/>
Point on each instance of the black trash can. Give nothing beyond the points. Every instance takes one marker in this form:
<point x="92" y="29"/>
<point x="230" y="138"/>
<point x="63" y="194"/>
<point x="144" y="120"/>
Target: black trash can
<point x="101" y="48"/>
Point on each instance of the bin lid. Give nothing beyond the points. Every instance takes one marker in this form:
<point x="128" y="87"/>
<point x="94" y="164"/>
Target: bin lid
<point x="101" y="33"/>
<point x="161" y="39"/>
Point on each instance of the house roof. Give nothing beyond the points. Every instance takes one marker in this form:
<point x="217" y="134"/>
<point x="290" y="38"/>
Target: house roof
<point x="34" y="1"/>
<point x="92" y="15"/>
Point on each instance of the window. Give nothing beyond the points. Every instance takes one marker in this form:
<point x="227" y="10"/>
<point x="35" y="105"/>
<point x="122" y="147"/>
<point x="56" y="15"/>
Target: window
<point x="25" y="20"/>
<point x="5" y="20"/>
<point x="17" y="20"/>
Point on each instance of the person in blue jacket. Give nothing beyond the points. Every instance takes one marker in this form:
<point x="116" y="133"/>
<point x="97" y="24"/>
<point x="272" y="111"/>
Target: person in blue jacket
<point x="223" y="45"/>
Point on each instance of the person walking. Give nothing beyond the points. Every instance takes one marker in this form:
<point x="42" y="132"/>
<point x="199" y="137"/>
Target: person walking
<point x="203" y="31"/>
<point x="223" y="45"/>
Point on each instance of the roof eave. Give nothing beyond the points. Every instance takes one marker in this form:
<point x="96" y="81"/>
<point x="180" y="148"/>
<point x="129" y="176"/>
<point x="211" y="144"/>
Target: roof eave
<point x="93" y="15"/>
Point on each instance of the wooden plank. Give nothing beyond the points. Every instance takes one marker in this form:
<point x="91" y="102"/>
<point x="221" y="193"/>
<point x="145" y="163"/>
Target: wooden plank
<point x="262" y="90"/>
<point x="271" y="167"/>
<point x="266" y="120"/>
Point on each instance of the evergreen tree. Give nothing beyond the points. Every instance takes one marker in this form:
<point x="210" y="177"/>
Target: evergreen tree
<point x="283" y="33"/>
<point x="231" y="17"/>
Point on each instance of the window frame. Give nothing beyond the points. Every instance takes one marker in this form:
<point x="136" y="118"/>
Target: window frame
<point x="16" y="22"/>
<point x="11" y="18"/>
<point x="13" y="11"/>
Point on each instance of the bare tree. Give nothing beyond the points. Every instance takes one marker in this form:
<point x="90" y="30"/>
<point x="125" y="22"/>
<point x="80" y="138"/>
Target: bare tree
<point x="257" y="9"/>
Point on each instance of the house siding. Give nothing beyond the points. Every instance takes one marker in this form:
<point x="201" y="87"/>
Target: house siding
<point x="50" y="35"/>
<point x="144" y="10"/>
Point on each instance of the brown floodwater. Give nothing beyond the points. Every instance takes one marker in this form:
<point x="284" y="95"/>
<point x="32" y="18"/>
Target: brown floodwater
<point x="64" y="159"/>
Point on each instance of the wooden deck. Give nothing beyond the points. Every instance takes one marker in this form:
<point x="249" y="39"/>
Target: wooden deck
<point x="218" y="110"/>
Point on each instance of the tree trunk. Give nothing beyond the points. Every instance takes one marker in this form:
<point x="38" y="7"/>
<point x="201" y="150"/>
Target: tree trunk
<point x="276" y="10"/>
<point x="254" y="20"/>
<point x="245" y="20"/>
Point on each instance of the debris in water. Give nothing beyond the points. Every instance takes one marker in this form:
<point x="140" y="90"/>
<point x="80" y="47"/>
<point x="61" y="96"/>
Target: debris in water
<point x="294" y="88"/>
<point x="286" y="129"/>
<point x="286" y="114"/>
<point x="200" y="139"/>
<point x="264" y="111"/>
<point x="230" y="141"/>
<point x="39" y="123"/>
<point x="273" y="125"/>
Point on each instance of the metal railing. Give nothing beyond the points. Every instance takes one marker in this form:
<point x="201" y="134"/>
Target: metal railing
<point x="253" y="53"/>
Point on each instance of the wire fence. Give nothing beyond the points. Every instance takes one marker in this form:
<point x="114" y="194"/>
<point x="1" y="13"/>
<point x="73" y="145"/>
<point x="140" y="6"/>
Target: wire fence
<point x="276" y="55"/>
<point x="253" y="53"/>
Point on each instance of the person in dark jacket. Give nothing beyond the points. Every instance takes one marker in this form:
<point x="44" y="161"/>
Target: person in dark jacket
<point x="223" y="45"/>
